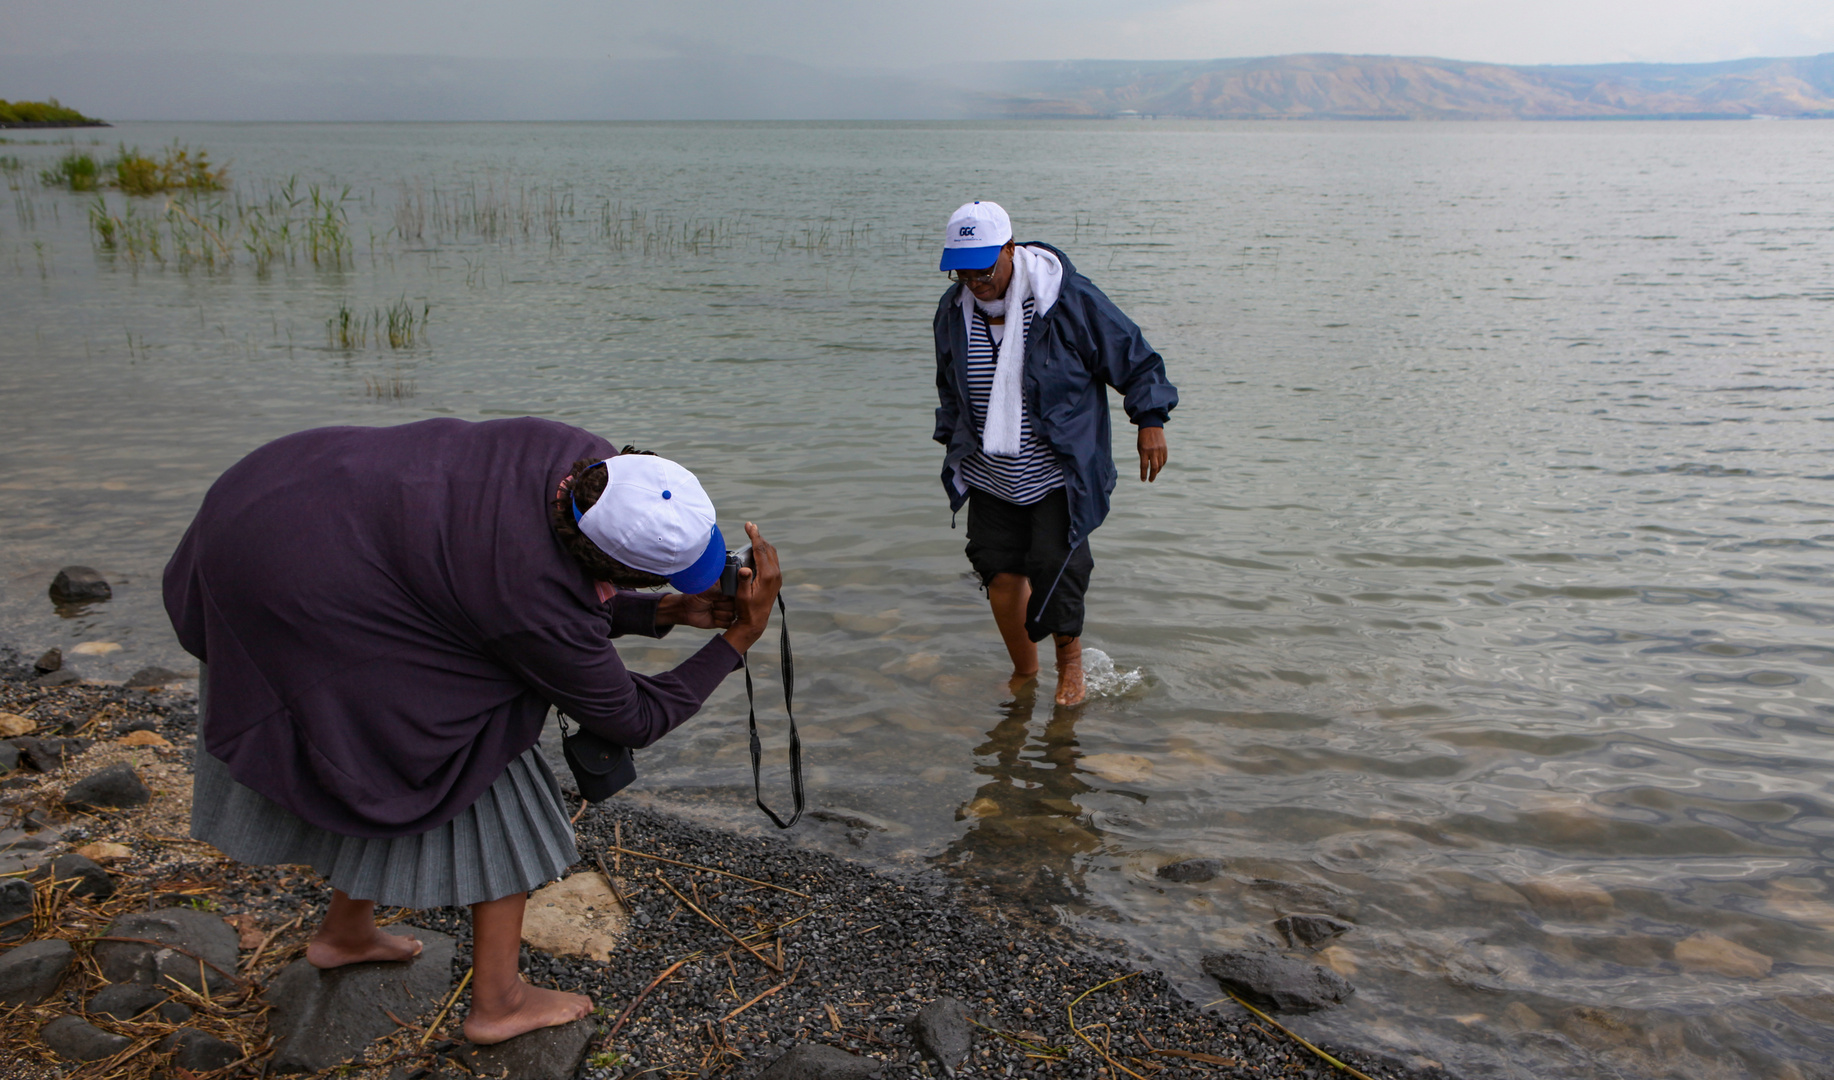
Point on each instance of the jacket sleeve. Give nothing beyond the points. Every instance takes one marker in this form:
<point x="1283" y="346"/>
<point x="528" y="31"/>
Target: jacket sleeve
<point x="635" y="613"/>
<point x="1116" y="353"/>
<point x="948" y="411"/>
<point x="574" y="668"/>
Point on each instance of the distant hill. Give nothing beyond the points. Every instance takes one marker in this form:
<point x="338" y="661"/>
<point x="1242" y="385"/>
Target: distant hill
<point x="1308" y="87"/>
<point x="718" y="86"/>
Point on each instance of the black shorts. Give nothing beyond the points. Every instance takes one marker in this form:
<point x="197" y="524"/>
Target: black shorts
<point x="1034" y="540"/>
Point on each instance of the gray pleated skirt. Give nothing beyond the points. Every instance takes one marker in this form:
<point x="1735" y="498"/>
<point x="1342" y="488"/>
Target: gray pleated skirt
<point x="514" y="838"/>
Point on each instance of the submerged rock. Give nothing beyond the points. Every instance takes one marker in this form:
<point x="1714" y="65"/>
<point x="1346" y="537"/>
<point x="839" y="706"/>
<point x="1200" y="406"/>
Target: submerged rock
<point x="545" y="1054"/>
<point x="1190" y="871"/>
<point x="1710" y="952"/>
<point x="815" y="1061"/>
<point x="79" y="584"/>
<point x="1310" y="930"/>
<point x="148" y="677"/>
<point x="1272" y="981"/>
<point x="942" y="1030"/>
<point x="321" y="1018"/>
<point x="49" y="661"/>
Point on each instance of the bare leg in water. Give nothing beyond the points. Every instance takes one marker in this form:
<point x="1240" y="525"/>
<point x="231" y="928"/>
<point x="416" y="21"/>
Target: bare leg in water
<point x="502" y="1005"/>
<point x="349" y="935"/>
<point x="1008" y="594"/>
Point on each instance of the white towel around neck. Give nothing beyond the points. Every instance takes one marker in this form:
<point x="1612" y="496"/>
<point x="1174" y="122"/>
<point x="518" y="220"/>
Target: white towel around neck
<point x="1037" y="274"/>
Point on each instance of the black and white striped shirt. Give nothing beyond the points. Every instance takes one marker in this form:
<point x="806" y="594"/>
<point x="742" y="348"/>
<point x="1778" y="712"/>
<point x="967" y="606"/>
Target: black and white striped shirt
<point x="1033" y="474"/>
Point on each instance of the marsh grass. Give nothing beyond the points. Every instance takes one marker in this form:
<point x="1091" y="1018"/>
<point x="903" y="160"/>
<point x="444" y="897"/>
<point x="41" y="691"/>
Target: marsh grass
<point x="392" y="387"/>
<point x="76" y="170"/>
<point x="194" y="232"/>
<point x="398" y="326"/>
<point x="179" y="168"/>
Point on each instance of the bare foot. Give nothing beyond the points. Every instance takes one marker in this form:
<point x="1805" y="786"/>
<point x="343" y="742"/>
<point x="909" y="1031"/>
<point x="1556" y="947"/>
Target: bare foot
<point x="330" y="952"/>
<point x="1070" y="688"/>
<point x="524" y="1009"/>
<point x="1018" y="683"/>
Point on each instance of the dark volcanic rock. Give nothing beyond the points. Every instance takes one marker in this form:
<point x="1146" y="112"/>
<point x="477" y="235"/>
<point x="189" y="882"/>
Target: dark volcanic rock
<point x="194" y="1050"/>
<point x="1272" y="981"/>
<point x="1310" y="930"/>
<point x="814" y="1061"/>
<point x="46" y="754"/>
<point x="60" y="677"/>
<point x="117" y="787"/>
<point x="1191" y="871"/>
<point x="941" y="1030"/>
<point x="90" y="879"/>
<point x="173" y="1012"/>
<point x="76" y="1039"/>
<point x="129" y="724"/>
<point x="148" y="677"/>
<point x="196" y="932"/>
<point x="546" y="1054"/>
<point x="15" y="908"/>
<point x="49" y="662"/>
<point x="321" y="1018"/>
<point x="30" y="973"/>
<point x="79" y="584"/>
<point x="9" y="756"/>
<point x="123" y="1001"/>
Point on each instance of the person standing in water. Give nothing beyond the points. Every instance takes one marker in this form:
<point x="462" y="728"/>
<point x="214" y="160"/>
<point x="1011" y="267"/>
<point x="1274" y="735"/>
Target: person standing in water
<point x="1024" y="345"/>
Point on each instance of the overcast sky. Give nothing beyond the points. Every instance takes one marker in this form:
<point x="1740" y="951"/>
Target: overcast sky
<point x="920" y="32"/>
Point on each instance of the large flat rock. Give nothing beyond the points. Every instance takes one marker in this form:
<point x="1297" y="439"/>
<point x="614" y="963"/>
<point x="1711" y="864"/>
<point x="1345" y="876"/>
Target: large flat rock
<point x="181" y="936"/>
<point x="545" y="1054"/>
<point x="321" y="1018"/>
<point x="1273" y="982"/>
<point x="30" y="973"/>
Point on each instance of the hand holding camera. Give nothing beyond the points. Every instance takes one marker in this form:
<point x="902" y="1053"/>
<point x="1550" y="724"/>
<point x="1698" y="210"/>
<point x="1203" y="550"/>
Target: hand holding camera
<point x="754" y="580"/>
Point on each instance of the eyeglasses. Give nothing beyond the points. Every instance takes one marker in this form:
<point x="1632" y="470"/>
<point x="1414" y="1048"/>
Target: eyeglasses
<point x="969" y="277"/>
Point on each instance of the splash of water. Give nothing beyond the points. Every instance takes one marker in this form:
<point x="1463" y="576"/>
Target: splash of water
<point x="1103" y="679"/>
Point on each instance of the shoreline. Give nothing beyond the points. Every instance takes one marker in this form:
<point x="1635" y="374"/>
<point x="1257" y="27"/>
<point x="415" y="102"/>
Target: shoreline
<point x="860" y="950"/>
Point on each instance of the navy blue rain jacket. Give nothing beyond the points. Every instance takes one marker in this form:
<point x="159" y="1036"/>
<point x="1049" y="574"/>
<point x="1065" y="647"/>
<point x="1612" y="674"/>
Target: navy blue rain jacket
<point x="1084" y="343"/>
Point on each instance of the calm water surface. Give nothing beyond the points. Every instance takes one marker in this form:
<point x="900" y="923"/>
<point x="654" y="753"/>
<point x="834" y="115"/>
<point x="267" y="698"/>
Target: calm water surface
<point x="1485" y="601"/>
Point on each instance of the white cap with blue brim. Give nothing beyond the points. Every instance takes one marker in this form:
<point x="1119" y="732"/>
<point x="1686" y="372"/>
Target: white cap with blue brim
<point x="655" y="517"/>
<point x="975" y="235"/>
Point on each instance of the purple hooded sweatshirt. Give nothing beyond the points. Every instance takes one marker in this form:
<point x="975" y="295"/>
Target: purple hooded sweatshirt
<point x="387" y="615"/>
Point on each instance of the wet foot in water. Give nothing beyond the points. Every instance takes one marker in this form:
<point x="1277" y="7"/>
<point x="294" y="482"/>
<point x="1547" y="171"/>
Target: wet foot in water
<point x="330" y="951"/>
<point x="523" y="1009"/>
<point x="1070" y="688"/>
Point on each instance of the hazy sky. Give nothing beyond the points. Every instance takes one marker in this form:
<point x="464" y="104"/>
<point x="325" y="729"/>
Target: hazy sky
<point x="909" y="32"/>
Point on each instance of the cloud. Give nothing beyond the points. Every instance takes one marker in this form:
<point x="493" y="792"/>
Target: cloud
<point x="848" y="34"/>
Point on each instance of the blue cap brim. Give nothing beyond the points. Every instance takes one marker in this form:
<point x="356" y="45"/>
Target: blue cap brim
<point x="974" y="258"/>
<point x="706" y="570"/>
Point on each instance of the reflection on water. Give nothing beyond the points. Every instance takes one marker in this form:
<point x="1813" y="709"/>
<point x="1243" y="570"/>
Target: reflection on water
<point x="1026" y="834"/>
<point x="1484" y="603"/>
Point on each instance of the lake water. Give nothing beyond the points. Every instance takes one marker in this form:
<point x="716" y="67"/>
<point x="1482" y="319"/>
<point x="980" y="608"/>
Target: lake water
<point x="1485" y="600"/>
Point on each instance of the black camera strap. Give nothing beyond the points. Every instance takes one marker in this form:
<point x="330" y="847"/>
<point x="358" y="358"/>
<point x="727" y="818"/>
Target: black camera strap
<point x="757" y="749"/>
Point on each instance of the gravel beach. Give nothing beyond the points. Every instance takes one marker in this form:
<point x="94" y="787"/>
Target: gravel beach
<point x="736" y="948"/>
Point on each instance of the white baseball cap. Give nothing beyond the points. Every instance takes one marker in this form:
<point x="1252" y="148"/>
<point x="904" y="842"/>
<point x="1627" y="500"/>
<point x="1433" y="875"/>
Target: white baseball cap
<point x="976" y="233"/>
<point x="654" y="516"/>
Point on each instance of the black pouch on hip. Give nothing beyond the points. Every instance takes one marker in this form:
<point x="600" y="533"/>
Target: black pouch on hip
<point x="601" y="768"/>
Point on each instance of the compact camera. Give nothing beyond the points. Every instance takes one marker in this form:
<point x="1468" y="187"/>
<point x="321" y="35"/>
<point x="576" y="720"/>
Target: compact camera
<point x="729" y="577"/>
